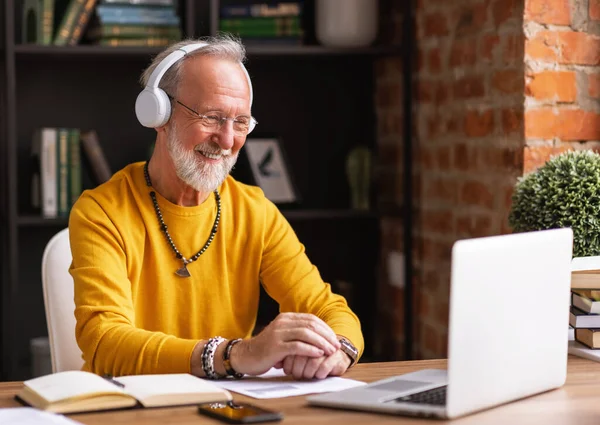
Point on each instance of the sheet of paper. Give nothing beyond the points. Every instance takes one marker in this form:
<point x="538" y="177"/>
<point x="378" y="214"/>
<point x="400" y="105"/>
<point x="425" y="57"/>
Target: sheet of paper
<point x="31" y="416"/>
<point x="275" y="384"/>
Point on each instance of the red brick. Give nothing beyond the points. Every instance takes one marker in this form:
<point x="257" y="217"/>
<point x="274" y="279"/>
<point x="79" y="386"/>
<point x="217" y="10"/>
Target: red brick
<point x="440" y="222"/>
<point x="471" y="18"/>
<point x="425" y="91"/>
<point x="435" y="24"/>
<point x="479" y="124"/>
<point x="388" y="95"/>
<point x="430" y="337"/>
<point x="488" y="46"/>
<point x="513" y="49"/>
<point x="426" y="157"/>
<point x="565" y="124"/>
<point x="463" y="53"/>
<point x="477" y="193"/>
<point x="435" y="251"/>
<point x="594" y="10"/>
<point x="512" y="120"/>
<point x="442" y="158"/>
<point x="465" y="158"/>
<point x="468" y="87"/>
<point x="433" y="128"/>
<point x="508" y="81"/>
<point x="500" y="158"/>
<point x="441" y="313"/>
<point x="440" y="189"/>
<point x="441" y="93"/>
<point x="565" y="47"/>
<point x="473" y="226"/>
<point x="503" y="10"/>
<point x="434" y="61"/>
<point x="594" y="84"/>
<point x="536" y="156"/>
<point x="555" y="12"/>
<point x="558" y="86"/>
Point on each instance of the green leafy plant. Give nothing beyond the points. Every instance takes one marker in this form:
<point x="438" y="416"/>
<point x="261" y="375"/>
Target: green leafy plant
<point x="564" y="192"/>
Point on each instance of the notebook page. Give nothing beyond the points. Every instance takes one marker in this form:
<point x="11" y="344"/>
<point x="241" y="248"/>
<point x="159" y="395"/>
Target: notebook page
<point x="144" y="386"/>
<point x="31" y="416"/>
<point x="64" y="385"/>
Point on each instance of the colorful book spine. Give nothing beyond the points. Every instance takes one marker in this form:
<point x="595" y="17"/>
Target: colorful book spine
<point x="134" y="31"/>
<point x="47" y="21"/>
<point x="68" y="22"/>
<point x="46" y="137"/>
<point x="81" y="22"/>
<point x="263" y="27"/>
<point x="136" y="42"/>
<point x="272" y="9"/>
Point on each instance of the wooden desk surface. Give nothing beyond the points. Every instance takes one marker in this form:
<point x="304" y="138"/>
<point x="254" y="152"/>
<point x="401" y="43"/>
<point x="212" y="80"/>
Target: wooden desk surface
<point x="574" y="403"/>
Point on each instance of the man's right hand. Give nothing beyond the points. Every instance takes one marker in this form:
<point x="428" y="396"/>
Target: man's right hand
<point x="290" y="334"/>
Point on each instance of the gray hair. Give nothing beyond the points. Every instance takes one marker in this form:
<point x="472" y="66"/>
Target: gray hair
<point x="223" y="46"/>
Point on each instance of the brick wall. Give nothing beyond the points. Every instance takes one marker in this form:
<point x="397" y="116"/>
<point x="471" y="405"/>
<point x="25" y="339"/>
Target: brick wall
<point x="562" y="59"/>
<point x="470" y="85"/>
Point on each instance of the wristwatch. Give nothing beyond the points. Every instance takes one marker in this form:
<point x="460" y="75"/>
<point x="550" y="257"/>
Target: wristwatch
<point x="348" y="348"/>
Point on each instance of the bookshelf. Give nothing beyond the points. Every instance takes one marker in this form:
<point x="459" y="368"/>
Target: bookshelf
<point x="297" y="97"/>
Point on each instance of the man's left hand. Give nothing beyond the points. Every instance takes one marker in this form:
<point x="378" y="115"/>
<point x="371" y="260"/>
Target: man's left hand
<point x="302" y="367"/>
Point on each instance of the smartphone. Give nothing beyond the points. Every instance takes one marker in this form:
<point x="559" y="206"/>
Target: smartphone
<point x="238" y="413"/>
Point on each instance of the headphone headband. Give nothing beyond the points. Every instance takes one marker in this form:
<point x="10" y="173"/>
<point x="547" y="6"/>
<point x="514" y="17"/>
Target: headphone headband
<point x="152" y="106"/>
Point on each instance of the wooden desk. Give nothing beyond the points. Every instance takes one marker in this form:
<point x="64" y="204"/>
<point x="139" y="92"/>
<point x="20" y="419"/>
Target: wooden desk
<point x="574" y="403"/>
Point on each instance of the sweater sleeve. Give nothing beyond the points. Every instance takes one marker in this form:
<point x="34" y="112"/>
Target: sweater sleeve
<point x="105" y="329"/>
<point x="295" y="283"/>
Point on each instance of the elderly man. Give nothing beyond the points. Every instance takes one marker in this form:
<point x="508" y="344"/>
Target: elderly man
<point x="168" y="255"/>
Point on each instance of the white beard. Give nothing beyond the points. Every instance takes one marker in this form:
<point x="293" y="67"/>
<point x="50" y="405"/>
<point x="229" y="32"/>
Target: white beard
<point x="193" y="170"/>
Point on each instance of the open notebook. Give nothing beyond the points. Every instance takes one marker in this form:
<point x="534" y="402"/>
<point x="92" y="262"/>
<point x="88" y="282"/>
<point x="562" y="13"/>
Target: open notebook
<point x="78" y="391"/>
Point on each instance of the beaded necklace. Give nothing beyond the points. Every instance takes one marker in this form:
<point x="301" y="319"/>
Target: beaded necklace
<point x="183" y="271"/>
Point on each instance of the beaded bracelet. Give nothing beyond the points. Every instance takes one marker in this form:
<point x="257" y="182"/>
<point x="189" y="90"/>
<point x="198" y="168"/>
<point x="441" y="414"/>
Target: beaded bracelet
<point x="208" y="357"/>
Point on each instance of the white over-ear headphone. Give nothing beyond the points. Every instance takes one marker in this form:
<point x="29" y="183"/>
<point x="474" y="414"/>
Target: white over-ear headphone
<point x="152" y="106"/>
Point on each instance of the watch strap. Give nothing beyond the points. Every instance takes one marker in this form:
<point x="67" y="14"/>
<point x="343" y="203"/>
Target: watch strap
<point x="347" y="347"/>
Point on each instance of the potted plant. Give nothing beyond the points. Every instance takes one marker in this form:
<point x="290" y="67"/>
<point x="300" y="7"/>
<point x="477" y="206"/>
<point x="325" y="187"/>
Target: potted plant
<point x="564" y="192"/>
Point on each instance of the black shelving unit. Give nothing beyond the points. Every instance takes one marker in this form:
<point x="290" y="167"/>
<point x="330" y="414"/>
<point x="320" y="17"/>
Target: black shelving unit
<point x="318" y="100"/>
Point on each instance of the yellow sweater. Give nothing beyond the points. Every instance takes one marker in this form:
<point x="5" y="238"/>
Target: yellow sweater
<point x="135" y="316"/>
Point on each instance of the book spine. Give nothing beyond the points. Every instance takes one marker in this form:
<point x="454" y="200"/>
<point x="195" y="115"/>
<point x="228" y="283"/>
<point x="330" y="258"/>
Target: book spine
<point x="131" y="31"/>
<point x="63" y="171"/>
<point x="74" y="166"/>
<point x="135" y="42"/>
<point x="141" y="2"/>
<point x="82" y="22"/>
<point x="108" y="11"/>
<point x="95" y="155"/>
<point x="47" y="21"/>
<point x="48" y="172"/>
<point x="68" y="22"/>
<point x="281" y="8"/>
<point x="140" y="20"/>
<point x="263" y="27"/>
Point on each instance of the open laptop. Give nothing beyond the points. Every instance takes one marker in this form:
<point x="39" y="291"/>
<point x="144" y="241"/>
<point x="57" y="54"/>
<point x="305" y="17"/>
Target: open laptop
<point x="508" y="333"/>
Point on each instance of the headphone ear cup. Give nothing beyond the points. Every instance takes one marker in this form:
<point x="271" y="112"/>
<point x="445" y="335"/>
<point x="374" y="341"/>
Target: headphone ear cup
<point x="152" y="107"/>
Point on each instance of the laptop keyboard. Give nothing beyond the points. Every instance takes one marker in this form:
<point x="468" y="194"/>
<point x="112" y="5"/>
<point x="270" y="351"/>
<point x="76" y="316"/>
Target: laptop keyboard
<point x="436" y="396"/>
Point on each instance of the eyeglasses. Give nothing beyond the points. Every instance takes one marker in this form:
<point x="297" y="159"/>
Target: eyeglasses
<point x="242" y="124"/>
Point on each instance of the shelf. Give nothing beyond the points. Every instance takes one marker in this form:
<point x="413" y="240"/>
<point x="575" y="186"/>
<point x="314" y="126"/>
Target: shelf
<point x="34" y="50"/>
<point x="32" y="220"/>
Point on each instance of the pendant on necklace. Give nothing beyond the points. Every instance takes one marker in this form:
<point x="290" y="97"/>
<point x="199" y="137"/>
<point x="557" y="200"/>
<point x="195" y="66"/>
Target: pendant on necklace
<point x="183" y="271"/>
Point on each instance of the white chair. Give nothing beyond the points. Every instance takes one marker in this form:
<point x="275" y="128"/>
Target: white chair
<point x="59" y="303"/>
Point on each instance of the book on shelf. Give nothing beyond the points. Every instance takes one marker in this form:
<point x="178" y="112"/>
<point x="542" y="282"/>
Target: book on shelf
<point x="94" y="157"/>
<point x="56" y="179"/>
<point x="585" y="272"/>
<point x="79" y="391"/>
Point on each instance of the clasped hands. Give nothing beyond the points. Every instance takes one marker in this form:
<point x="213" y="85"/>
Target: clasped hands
<point x="302" y="344"/>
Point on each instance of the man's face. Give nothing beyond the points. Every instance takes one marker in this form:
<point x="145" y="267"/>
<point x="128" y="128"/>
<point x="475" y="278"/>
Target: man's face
<point x="203" y="157"/>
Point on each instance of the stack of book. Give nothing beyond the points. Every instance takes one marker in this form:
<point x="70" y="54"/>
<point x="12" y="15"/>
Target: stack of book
<point x="585" y="301"/>
<point x="135" y="23"/>
<point x="262" y="22"/>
